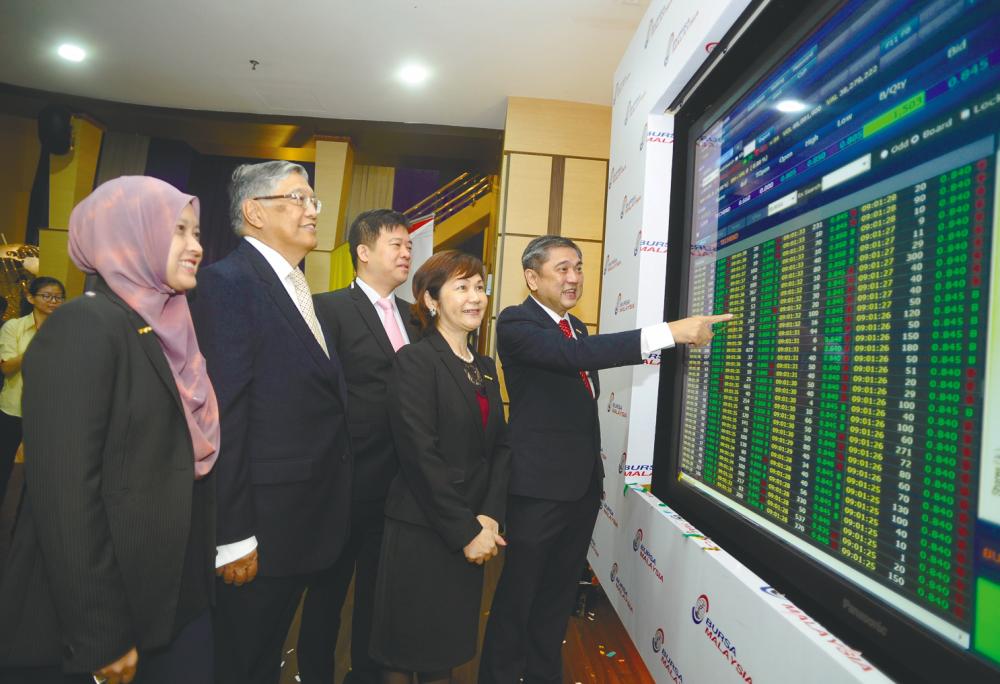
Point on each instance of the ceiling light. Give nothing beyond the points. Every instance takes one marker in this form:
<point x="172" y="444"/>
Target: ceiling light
<point x="413" y="74"/>
<point x="72" y="53"/>
<point x="791" y="106"/>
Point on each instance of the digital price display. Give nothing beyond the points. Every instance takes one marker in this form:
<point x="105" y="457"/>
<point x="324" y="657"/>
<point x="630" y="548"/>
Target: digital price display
<point x="846" y="212"/>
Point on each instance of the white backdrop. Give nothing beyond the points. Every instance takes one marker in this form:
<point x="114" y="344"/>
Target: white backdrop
<point x="694" y="613"/>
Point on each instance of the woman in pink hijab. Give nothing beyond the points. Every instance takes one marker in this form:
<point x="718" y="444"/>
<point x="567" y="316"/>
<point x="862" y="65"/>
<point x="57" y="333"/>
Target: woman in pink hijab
<point x="111" y="568"/>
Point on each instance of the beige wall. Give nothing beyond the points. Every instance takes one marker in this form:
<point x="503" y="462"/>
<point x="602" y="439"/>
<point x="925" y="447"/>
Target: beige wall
<point x="553" y="182"/>
<point x="334" y="166"/>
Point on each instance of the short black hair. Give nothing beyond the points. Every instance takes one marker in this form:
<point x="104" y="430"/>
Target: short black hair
<point x="41" y="281"/>
<point x="537" y="251"/>
<point x="366" y="227"/>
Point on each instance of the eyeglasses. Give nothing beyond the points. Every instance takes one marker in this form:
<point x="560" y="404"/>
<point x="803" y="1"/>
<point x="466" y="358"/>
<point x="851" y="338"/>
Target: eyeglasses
<point x="45" y="296"/>
<point x="297" y="198"/>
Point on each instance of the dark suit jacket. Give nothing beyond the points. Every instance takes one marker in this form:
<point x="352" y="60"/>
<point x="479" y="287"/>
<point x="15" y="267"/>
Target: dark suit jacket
<point x="96" y="562"/>
<point x="354" y="327"/>
<point x="284" y="468"/>
<point x="451" y="469"/>
<point x="555" y="437"/>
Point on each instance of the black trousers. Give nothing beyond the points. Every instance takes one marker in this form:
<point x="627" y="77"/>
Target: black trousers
<point x="325" y="599"/>
<point x="187" y="658"/>
<point x="547" y="544"/>
<point x="10" y="439"/>
<point x="250" y="624"/>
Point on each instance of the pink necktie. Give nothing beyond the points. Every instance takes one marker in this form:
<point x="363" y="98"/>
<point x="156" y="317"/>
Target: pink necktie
<point x="390" y="324"/>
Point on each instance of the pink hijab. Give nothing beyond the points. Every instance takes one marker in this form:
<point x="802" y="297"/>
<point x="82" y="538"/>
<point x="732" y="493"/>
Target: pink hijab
<point x="123" y="231"/>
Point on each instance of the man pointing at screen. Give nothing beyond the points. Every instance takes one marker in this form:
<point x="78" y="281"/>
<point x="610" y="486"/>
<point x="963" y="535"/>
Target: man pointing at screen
<point x="550" y="369"/>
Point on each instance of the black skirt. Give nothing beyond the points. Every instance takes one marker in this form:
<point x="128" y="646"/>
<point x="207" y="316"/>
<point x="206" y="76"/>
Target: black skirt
<point x="427" y="602"/>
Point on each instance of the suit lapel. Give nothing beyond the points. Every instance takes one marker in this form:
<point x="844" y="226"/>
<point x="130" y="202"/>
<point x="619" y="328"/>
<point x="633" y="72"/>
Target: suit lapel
<point x="371" y="318"/>
<point x="465" y="388"/>
<point x="578" y="327"/>
<point x="279" y="295"/>
<point x="148" y="340"/>
<point x="406" y="313"/>
<point x="581" y="331"/>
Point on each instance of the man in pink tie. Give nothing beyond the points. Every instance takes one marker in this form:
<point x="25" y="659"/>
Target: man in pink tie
<point x="366" y="324"/>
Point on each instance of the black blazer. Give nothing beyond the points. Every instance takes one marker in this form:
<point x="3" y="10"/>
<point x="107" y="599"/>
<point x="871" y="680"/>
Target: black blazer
<point x="354" y="327"/>
<point x="284" y="469"/>
<point x="451" y="469"/>
<point x="97" y="557"/>
<point x="555" y="437"/>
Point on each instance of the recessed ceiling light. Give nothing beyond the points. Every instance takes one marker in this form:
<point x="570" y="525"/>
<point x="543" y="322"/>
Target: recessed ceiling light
<point x="791" y="106"/>
<point x="414" y="74"/>
<point x="72" y="53"/>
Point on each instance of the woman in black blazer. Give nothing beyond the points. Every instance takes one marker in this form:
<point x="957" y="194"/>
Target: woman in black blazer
<point x="443" y="508"/>
<point x="111" y="567"/>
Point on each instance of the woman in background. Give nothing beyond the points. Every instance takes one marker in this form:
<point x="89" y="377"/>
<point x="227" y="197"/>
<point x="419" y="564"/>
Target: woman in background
<point x="45" y="295"/>
<point x="111" y="569"/>
<point x="443" y="508"/>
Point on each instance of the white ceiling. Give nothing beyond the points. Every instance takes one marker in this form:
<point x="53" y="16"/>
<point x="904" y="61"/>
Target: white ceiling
<point x="323" y="58"/>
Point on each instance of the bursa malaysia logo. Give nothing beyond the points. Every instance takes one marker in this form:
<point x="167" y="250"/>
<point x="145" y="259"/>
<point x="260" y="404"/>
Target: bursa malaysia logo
<point x="623" y="304"/>
<point x="628" y="204"/>
<point x="652" y="246"/>
<point x="647" y="557"/>
<point x="619" y="86"/>
<point x="654" y="23"/>
<point x="615" y="174"/>
<point x="726" y="648"/>
<point x="621" y="463"/>
<point x="654" y="359"/>
<point x="659" y="137"/>
<point x="611" y="263"/>
<point x="638" y="470"/>
<point x="677" y="37"/>
<point x="616" y="407"/>
<point x="700" y="609"/>
<point x="616" y="581"/>
<point x="633" y="105"/>
<point x="665" y="660"/>
<point x="607" y="510"/>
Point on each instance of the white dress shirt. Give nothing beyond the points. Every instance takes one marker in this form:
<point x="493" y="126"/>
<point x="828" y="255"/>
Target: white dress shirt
<point x="227" y="553"/>
<point x="373" y="297"/>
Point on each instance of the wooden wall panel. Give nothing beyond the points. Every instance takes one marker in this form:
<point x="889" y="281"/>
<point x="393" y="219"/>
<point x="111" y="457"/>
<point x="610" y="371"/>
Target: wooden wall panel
<point x="583" y="199"/>
<point x="529" y="179"/>
<point x="556" y="127"/>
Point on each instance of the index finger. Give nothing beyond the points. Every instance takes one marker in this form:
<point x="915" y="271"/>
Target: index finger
<point x="719" y="318"/>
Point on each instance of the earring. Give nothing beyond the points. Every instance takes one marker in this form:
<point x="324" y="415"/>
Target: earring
<point x="434" y="313"/>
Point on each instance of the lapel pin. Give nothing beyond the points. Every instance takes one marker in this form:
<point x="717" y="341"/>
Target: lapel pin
<point x="488" y="377"/>
<point x="579" y="332"/>
<point x="145" y="329"/>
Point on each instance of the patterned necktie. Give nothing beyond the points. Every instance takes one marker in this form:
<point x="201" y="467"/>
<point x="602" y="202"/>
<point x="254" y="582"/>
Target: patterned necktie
<point x="304" y="303"/>
<point x="390" y="323"/>
<point x="564" y="326"/>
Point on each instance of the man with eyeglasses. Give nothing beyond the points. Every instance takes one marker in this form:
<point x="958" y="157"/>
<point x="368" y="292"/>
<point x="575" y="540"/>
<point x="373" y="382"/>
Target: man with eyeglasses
<point x="283" y="476"/>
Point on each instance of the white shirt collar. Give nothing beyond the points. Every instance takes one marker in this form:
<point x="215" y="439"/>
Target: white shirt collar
<point x="370" y="292"/>
<point x="280" y="265"/>
<point x="555" y="317"/>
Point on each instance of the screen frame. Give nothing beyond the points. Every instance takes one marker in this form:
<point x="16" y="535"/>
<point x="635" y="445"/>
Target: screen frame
<point x="906" y="650"/>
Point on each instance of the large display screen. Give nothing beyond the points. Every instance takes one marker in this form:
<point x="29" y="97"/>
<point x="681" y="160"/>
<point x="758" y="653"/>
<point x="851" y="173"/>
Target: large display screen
<point x="845" y="210"/>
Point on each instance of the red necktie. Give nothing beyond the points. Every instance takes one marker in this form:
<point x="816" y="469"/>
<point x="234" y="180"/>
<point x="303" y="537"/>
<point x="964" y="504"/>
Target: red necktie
<point x="564" y="326"/>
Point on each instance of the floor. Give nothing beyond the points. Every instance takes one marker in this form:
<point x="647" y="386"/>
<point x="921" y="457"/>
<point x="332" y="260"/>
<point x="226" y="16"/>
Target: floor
<point x="597" y="648"/>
